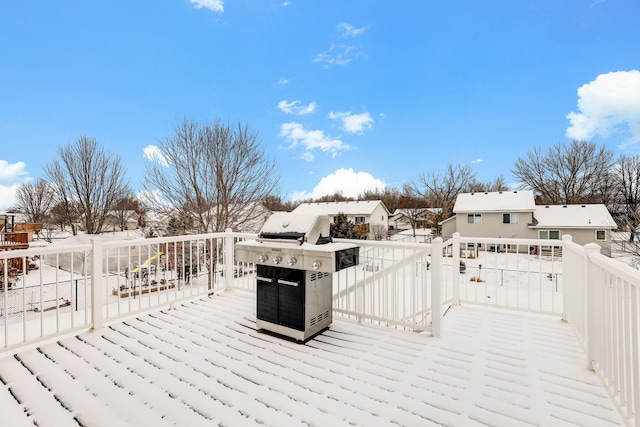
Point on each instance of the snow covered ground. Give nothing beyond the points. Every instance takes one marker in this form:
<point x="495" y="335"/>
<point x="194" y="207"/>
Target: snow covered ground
<point x="204" y="363"/>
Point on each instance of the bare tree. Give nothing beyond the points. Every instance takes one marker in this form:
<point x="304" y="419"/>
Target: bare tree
<point x="627" y="178"/>
<point x="62" y="214"/>
<point x="440" y="189"/>
<point x="89" y="177"/>
<point x="275" y="203"/>
<point x="499" y="184"/>
<point x="213" y="175"/>
<point x="567" y="174"/>
<point x="413" y="207"/>
<point x="123" y="210"/>
<point x="390" y="196"/>
<point x="35" y="199"/>
<point x="379" y="232"/>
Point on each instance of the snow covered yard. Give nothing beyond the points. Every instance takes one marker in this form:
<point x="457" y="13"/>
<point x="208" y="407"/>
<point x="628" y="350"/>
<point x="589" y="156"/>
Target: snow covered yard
<point x="204" y="363"/>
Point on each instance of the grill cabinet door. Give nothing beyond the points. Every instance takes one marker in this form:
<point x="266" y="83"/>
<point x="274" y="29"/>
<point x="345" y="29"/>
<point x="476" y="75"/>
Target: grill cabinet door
<point x="281" y="296"/>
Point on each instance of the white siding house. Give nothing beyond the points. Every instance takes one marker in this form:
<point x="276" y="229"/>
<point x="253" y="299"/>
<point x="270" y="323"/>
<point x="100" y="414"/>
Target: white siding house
<point x="367" y="215"/>
<point x="514" y="214"/>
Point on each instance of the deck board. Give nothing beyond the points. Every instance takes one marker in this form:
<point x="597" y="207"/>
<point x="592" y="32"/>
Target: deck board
<point x="204" y="363"/>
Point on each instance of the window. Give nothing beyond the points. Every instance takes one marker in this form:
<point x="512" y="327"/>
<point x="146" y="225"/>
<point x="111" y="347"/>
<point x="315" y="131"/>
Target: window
<point x="474" y="218"/>
<point x="510" y="218"/>
<point x="601" y="235"/>
<point x="359" y="220"/>
<point x="549" y="234"/>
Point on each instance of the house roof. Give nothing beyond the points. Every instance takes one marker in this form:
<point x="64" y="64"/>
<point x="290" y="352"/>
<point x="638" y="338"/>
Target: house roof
<point x="425" y="212"/>
<point x="359" y="207"/>
<point x="573" y="216"/>
<point x="495" y="201"/>
<point x="204" y="363"/>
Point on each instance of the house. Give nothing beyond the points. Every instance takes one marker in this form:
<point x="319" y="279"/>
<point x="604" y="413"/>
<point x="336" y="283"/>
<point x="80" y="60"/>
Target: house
<point x="402" y="217"/>
<point x="585" y="223"/>
<point x="116" y="219"/>
<point x="248" y="218"/>
<point x="514" y="214"/>
<point x="492" y="214"/>
<point x="371" y="217"/>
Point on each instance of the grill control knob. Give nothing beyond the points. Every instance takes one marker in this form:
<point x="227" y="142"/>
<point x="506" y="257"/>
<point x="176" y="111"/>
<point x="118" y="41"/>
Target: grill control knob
<point x="316" y="265"/>
<point x="291" y="262"/>
<point x="277" y="259"/>
<point x="262" y="258"/>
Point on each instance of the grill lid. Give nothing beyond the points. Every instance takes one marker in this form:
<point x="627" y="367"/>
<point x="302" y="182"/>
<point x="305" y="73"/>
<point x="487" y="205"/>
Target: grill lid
<point x="313" y="229"/>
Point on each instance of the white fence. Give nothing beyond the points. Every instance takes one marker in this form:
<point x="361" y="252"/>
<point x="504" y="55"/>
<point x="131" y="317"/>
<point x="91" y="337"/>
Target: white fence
<point x="392" y="285"/>
<point x="602" y="305"/>
<point x="519" y="274"/>
<point x="60" y="295"/>
<point x="395" y="284"/>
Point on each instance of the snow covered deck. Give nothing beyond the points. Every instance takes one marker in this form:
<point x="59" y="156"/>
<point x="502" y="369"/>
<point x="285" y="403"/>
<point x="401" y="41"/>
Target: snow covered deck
<point x="203" y="363"/>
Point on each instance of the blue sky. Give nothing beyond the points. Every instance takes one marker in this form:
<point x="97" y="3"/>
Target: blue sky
<point x="345" y="95"/>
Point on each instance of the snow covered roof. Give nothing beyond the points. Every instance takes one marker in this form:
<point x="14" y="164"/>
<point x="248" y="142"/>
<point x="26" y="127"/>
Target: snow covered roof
<point x="204" y="363"/>
<point x="360" y="207"/>
<point x="574" y="216"/>
<point x="495" y="201"/>
<point x="412" y="211"/>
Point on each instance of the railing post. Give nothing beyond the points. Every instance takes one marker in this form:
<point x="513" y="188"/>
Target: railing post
<point x="568" y="290"/>
<point x="593" y="308"/>
<point x="455" y="278"/>
<point x="97" y="290"/>
<point x="436" y="287"/>
<point x="228" y="259"/>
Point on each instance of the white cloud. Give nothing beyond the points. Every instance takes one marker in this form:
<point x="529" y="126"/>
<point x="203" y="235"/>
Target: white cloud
<point x="214" y="5"/>
<point x="311" y="140"/>
<point x="353" y="123"/>
<point x="608" y="105"/>
<point x="473" y="162"/>
<point x="10" y="172"/>
<point x="294" y="107"/>
<point x="337" y="55"/>
<point x="349" y="30"/>
<point x="345" y="181"/>
<point x="283" y="81"/>
<point x="153" y="153"/>
<point x="12" y="175"/>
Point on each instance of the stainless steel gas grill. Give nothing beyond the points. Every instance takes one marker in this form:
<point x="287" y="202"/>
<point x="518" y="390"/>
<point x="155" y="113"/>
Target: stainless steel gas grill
<point x="295" y="260"/>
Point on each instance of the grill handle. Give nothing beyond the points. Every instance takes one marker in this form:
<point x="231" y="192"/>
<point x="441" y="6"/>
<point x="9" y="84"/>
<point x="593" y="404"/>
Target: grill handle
<point x="266" y="279"/>
<point x="288" y="282"/>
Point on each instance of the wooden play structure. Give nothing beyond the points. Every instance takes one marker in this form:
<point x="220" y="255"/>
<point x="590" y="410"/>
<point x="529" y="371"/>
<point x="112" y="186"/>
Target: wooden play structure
<point x="14" y="237"/>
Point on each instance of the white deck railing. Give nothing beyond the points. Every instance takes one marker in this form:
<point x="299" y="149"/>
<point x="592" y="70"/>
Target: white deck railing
<point x="395" y="284"/>
<point x="519" y="274"/>
<point x="603" y="307"/>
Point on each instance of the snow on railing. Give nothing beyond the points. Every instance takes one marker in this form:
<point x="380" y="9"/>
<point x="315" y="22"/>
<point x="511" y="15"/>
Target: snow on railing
<point x="604" y="310"/>
<point x="391" y="285"/>
<point x="39" y="300"/>
<point x="395" y="284"/>
<point x="520" y="274"/>
<point x="58" y="295"/>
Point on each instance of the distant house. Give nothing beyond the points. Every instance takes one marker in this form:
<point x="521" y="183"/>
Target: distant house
<point x="249" y="219"/>
<point x="115" y="219"/>
<point x="369" y="216"/>
<point x="492" y="214"/>
<point x="401" y="218"/>
<point x="585" y="223"/>
<point x="514" y="214"/>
